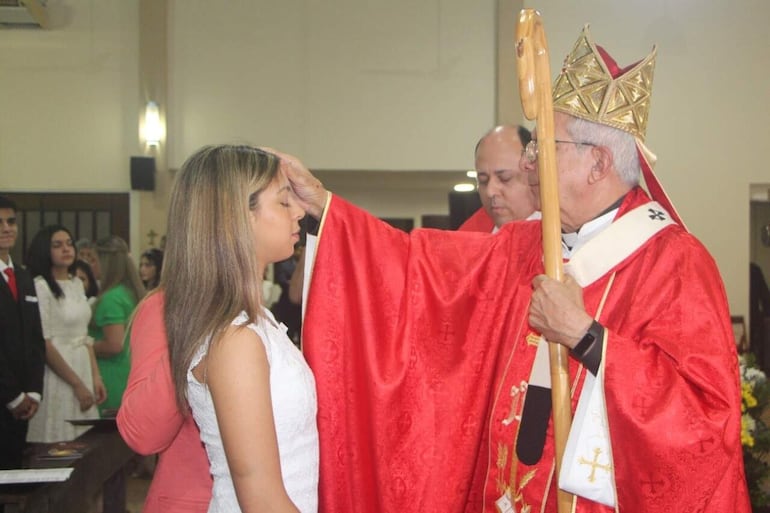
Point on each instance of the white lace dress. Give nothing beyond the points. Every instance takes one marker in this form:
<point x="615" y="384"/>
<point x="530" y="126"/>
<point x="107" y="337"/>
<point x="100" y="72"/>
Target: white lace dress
<point x="65" y="324"/>
<point x="292" y="389"/>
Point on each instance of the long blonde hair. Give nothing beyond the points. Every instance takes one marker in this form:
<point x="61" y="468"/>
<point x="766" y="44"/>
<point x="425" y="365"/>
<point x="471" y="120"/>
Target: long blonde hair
<point x="117" y="267"/>
<point x="211" y="272"/>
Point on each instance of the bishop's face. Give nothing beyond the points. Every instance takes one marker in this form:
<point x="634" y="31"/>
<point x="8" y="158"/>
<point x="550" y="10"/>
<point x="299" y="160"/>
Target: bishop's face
<point x="573" y="166"/>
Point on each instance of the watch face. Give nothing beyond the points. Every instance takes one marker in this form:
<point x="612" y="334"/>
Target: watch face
<point x="766" y="235"/>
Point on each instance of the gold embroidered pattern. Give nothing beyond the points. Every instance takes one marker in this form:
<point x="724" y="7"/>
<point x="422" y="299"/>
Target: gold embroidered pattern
<point x="502" y="459"/>
<point x="517" y="403"/>
<point x="519" y="495"/>
<point x="594" y="464"/>
<point x="533" y="338"/>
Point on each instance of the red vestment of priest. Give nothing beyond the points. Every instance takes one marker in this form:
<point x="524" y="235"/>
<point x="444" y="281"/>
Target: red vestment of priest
<point x="479" y="221"/>
<point x="421" y="351"/>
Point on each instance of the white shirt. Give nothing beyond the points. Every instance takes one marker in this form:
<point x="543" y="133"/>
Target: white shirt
<point x="4" y="266"/>
<point x="571" y="242"/>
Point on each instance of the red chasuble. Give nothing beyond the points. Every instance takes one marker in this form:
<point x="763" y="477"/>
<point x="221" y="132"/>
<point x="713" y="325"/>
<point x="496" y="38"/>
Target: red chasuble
<point x="421" y="351"/>
<point x="478" y="222"/>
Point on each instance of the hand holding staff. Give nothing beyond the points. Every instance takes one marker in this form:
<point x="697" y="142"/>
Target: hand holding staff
<point x="535" y="89"/>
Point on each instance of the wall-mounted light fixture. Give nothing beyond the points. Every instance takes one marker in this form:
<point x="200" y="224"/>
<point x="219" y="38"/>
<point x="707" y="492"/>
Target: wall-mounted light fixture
<point x="153" y="129"/>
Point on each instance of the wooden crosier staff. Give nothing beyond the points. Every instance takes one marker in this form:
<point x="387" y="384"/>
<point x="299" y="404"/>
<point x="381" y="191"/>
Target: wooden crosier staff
<point x="535" y="89"/>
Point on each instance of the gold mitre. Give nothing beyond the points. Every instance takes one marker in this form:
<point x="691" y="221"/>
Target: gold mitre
<point x="593" y="87"/>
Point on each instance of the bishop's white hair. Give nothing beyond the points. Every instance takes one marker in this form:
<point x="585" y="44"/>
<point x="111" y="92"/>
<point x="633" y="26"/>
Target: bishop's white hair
<point x="621" y="144"/>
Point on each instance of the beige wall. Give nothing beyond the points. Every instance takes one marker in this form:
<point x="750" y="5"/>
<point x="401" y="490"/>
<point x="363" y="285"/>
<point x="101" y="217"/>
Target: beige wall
<point x="68" y="109"/>
<point x="69" y="106"/>
<point x="346" y="84"/>
<point x="377" y="85"/>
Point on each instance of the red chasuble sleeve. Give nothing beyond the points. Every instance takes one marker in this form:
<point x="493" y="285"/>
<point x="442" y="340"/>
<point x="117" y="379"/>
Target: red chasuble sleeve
<point x="403" y="347"/>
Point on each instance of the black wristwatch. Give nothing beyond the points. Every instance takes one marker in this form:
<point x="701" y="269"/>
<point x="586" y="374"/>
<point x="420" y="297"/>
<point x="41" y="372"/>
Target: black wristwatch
<point x="587" y="350"/>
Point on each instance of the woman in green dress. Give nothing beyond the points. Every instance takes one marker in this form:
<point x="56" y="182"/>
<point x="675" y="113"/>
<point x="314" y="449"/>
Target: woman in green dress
<point x="120" y="291"/>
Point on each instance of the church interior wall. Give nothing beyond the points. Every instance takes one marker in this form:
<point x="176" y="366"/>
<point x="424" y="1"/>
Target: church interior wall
<point x="379" y="86"/>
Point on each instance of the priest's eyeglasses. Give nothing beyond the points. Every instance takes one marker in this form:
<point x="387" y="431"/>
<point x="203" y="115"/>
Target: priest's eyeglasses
<point x="530" y="150"/>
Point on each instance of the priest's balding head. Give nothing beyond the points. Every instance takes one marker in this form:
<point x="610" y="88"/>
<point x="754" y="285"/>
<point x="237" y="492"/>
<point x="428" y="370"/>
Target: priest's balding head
<point x="502" y="184"/>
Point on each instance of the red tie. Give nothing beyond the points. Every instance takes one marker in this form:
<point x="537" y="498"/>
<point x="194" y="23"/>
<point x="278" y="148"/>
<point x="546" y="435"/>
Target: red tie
<point x="12" y="282"/>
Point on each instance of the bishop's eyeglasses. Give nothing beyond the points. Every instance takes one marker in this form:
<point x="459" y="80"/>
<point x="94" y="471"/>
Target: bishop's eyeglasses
<point x="530" y="150"/>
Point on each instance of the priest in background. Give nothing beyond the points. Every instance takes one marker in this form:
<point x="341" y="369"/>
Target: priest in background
<point x="502" y="184"/>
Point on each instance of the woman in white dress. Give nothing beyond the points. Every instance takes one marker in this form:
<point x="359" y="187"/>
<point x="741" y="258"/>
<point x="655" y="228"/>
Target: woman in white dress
<point x="232" y="213"/>
<point x="72" y="385"/>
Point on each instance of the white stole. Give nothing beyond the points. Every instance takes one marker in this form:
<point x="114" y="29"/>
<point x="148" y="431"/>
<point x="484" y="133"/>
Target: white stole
<point x="587" y="466"/>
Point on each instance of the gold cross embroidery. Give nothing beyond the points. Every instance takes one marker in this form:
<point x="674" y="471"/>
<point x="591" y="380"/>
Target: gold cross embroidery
<point x="594" y="464"/>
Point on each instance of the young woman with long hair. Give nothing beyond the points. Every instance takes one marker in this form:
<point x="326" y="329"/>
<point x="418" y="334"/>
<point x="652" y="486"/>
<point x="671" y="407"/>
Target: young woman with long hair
<point x="232" y="212"/>
<point x="72" y="383"/>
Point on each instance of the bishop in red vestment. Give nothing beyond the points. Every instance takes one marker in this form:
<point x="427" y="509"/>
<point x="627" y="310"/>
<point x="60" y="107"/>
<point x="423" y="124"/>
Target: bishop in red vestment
<point x="423" y="344"/>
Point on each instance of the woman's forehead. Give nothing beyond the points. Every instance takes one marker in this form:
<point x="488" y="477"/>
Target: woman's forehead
<point x="281" y="181"/>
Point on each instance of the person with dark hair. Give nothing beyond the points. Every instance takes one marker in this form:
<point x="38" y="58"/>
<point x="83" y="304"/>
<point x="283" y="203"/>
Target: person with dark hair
<point x="81" y="269"/>
<point x="22" y="349"/>
<point x="150" y="266"/>
<point x="502" y="183"/>
<point x="72" y="383"/>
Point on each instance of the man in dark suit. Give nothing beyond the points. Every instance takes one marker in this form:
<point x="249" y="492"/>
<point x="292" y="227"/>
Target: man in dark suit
<point x="22" y="348"/>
